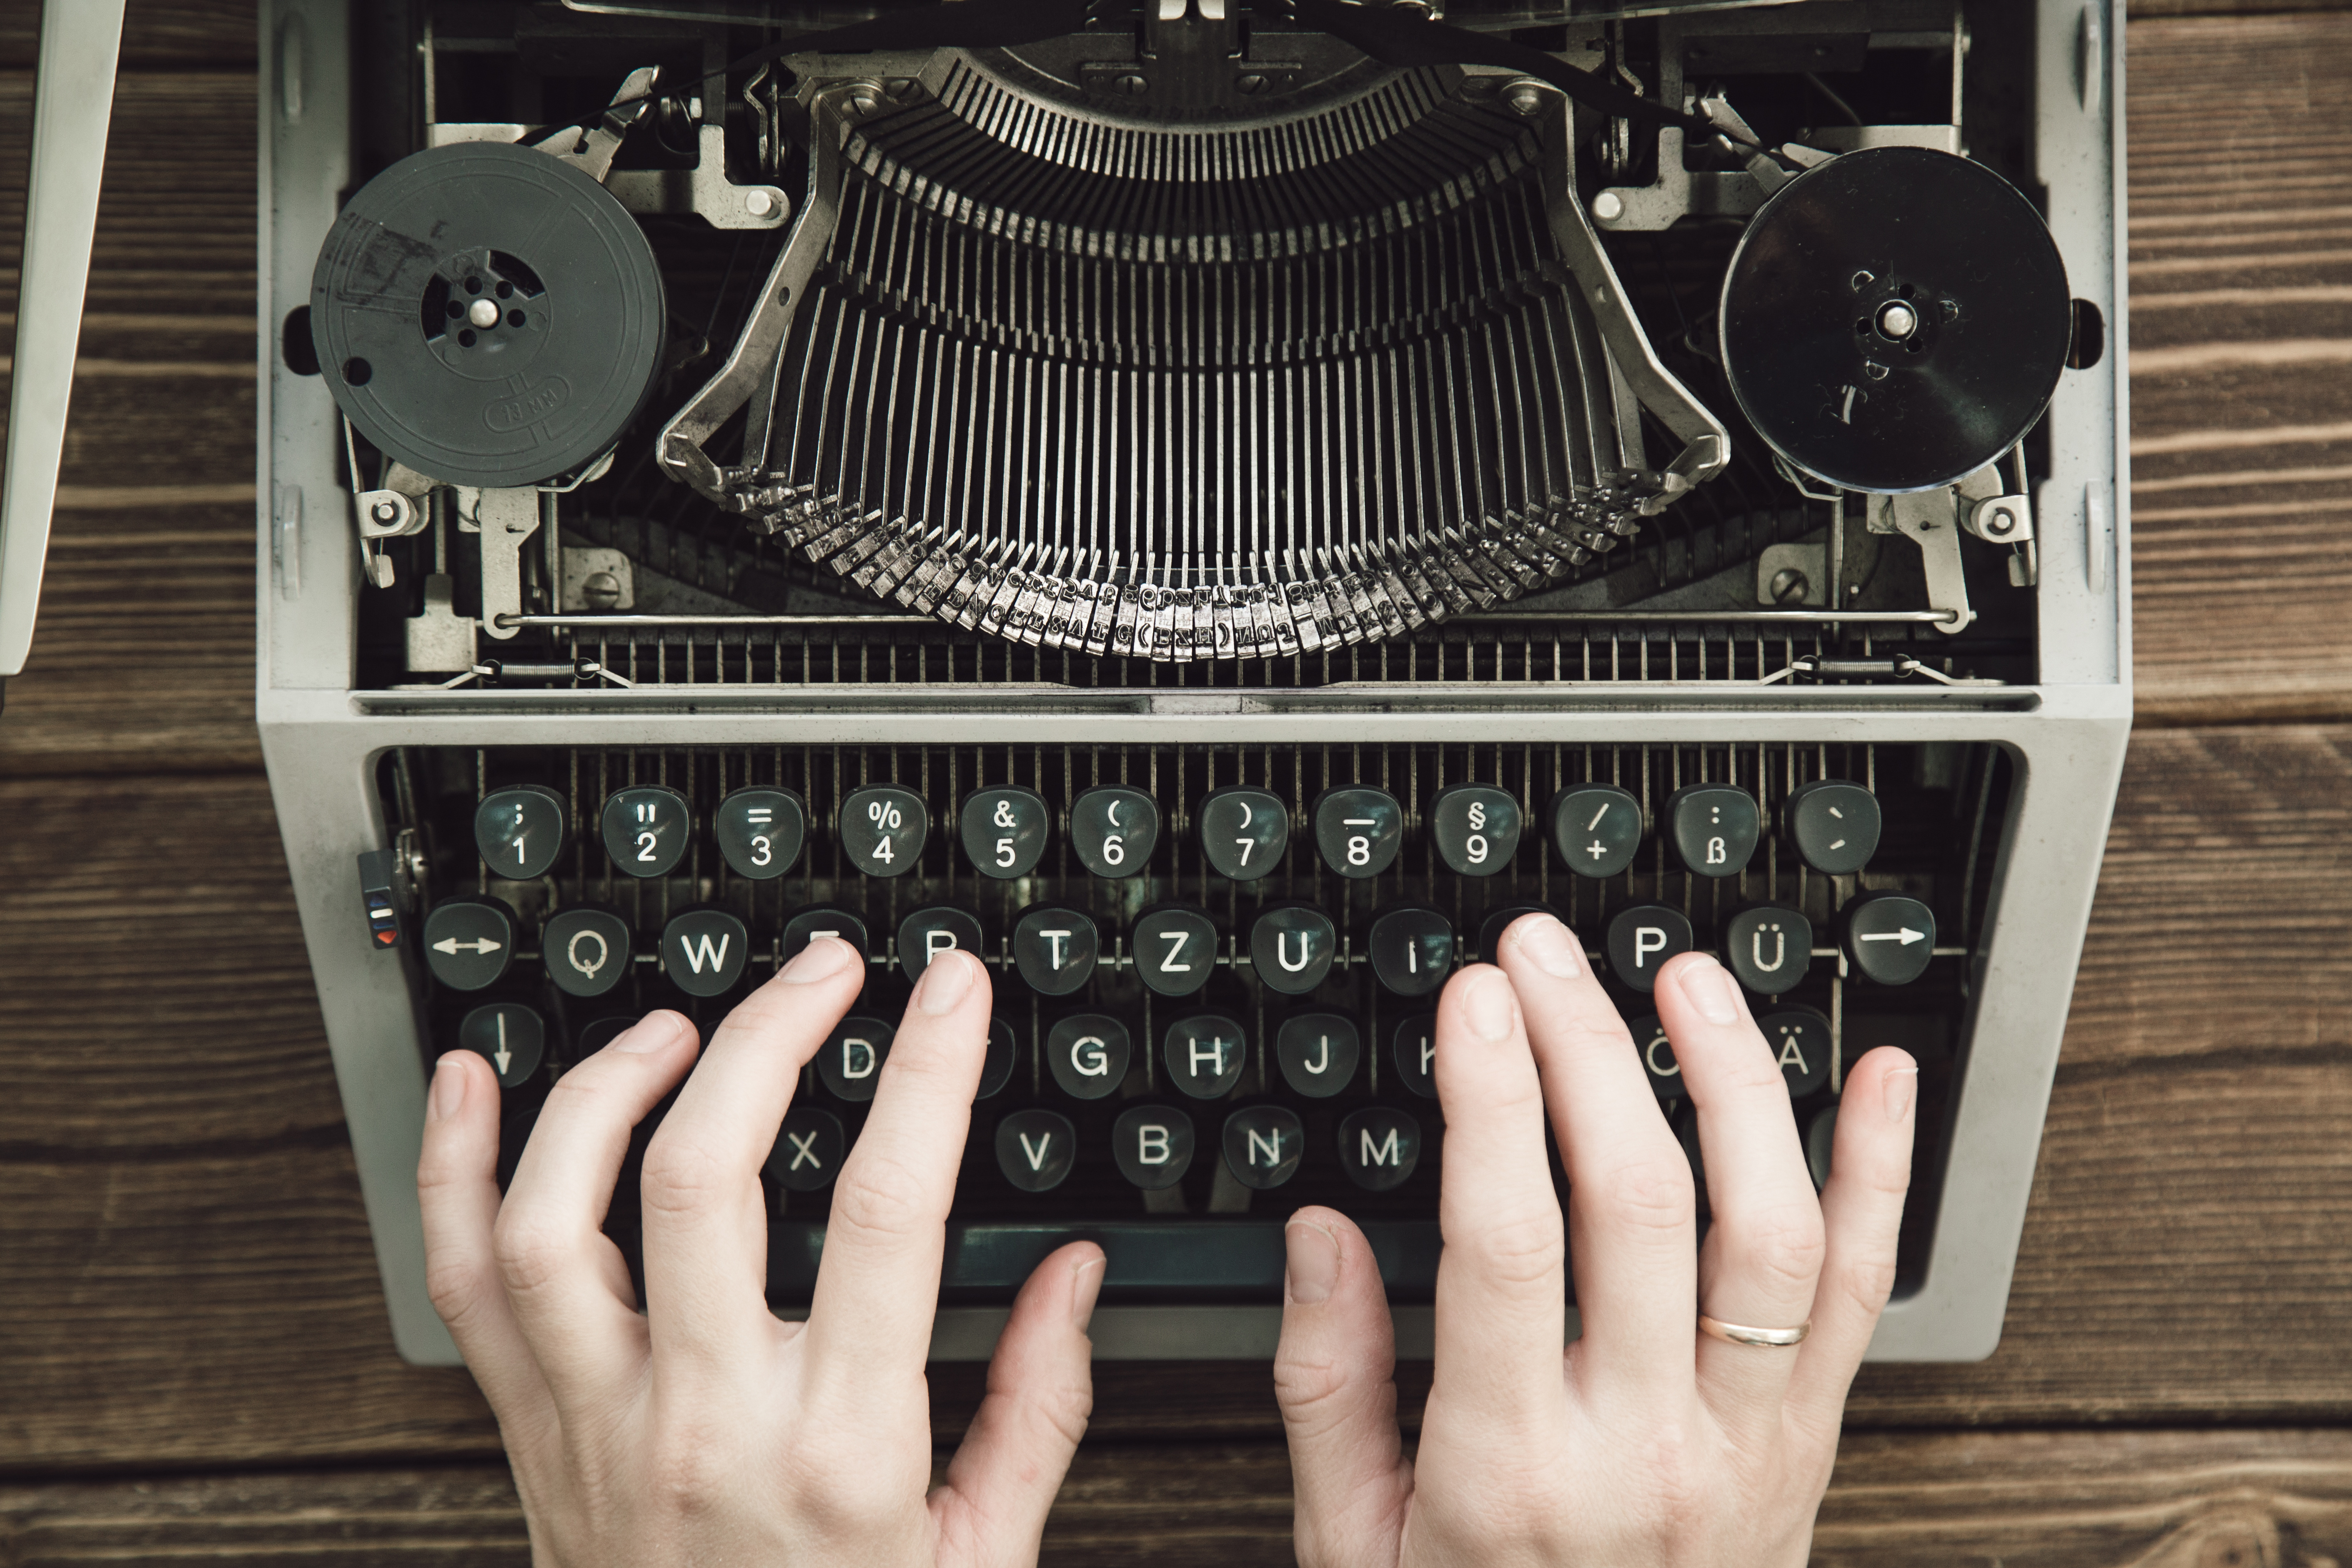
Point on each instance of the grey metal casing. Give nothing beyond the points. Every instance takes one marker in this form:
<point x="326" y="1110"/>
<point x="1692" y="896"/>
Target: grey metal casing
<point x="2067" y="733"/>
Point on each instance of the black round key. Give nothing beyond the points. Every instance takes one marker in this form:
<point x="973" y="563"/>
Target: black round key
<point x="1205" y="1055"/>
<point x="1714" y="827"/>
<point x="598" y="1032"/>
<point x="1491" y="928"/>
<point x="1477" y="827"/>
<point x="1820" y="1139"/>
<point x="824" y="920"/>
<point x="1379" y="1147"/>
<point x="586" y="950"/>
<point x="761" y="832"/>
<point x="1833" y="824"/>
<point x="1658" y="1063"/>
<point x="705" y="952"/>
<point x="1035" y="1149"/>
<point x="1056" y="949"/>
<point x="1003" y="831"/>
<point x="522" y="830"/>
<point x="883" y="828"/>
<point x="1358" y="829"/>
<point x="1175" y="949"/>
<point x="1643" y="938"/>
<point x="808" y="1151"/>
<point x="1769" y="947"/>
<point x="1412" y="950"/>
<point x="1800" y="1038"/>
<point x="510" y="1036"/>
<point x="1263" y="1143"/>
<point x="1889" y="937"/>
<point x="1292" y="947"/>
<point x="469" y="943"/>
<point x="851" y="1058"/>
<point x="1114" y="830"/>
<point x="1243" y="832"/>
<point x="1087" y="1054"/>
<point x="928" y="932"/>
<point x="1413" y="1049"/>
<point x="1597" y="828"/>
<point x="1153" y="1145"/>
<point x="996" y="1067"/>
<point x="645" y="828"/>
<point x="1317" y="1053"/>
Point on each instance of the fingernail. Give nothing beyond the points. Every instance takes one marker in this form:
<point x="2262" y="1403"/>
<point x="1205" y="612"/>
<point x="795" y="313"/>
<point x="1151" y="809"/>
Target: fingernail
<point x="1708" y="986"/>
<point x="820" y="959"/>
<point x="1492" y="1007"/>
<point x="1085" y="1284"/>
<point x="945" y="980"/>
<point x="1549" y="942"/>
<point x="1902" y="1091"/>
<point x="448" y="1090"/>
<point x="654" y="1032"/>
<point x="1314" y="1263"/>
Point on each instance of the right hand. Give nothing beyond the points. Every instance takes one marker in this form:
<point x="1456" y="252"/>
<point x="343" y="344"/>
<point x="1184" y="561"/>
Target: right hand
<point x="1645" y="1444"/>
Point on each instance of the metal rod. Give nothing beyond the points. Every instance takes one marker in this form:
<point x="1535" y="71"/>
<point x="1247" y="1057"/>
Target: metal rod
<point x="1591" y="618"/>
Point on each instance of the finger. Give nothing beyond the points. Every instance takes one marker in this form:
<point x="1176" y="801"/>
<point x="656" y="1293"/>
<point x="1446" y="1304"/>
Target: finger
<point x="458" y="1189"/>
<point x="1632" y="1225"/>
<point x="878" y="1283"/>
<point x="1502" y="1278"/>
<point x="1335" y="1380"/>
<point x="1002" y="1483"/>
<point x="1862" y="1211"/>
<point x="705" y="1231"/>
<point x="1763" y="1253"/>
<point x="565" y="1280"/>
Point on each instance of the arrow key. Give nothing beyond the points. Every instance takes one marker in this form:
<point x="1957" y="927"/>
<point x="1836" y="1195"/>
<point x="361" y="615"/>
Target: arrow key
<point x="469" y="943"/>
<point x="1889" y="937"/>
<point x="510" y="1036"/>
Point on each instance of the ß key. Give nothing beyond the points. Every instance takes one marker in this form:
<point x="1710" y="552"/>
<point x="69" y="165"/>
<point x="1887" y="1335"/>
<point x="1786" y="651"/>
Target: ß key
<point x="1205" y="1055"/>
<point x="883" y="828"/>
<point x="1152" y="1145"/>
<point x="1477" y="827"/>
<point x="1317" y="1053"/>
<point x="1359" y="830"/>
<point x="586" y="949"/>
<point x="1379" y="1147"/>
<point x="1087" y="1053"/>
<point x="1411" y="949"/>
<point x="1262" y="1145"/>
<point x="644" y="829"/>
<point x="1714" y="829"/>
<point x="759" y="832"/>
<point x="521" y="831"/>
<point x="1035" y="1149"/>
<point x="1769" y="947"/>
<point x="1597" y="828"/>
<point x="809" y="1147"/>
<point x="1175" y="949"/>
<point x="1642" y="938"/>
<point x="1243" y="832"/>
<point x="469" y="943"/>
<point x="1003" y="831"/>
<point x="704" y="952"/>
<point x="926" y="934"/>
<point x="1114" y="830"/>
<point x="510" y="1035"/>
<point x="1055" y="950"/>
<point x="1292" y="947"/>
<point x="1833" y="824"/>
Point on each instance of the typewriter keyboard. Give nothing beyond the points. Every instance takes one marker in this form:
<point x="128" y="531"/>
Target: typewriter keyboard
<point x="1215" y="968"/>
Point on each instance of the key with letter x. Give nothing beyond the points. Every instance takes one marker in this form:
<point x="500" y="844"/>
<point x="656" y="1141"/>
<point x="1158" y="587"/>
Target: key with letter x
<point x="809" y="1147"/>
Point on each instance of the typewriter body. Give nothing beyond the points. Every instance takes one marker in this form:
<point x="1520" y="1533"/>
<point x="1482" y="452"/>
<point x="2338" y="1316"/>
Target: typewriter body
<point x="1216" y="508"/>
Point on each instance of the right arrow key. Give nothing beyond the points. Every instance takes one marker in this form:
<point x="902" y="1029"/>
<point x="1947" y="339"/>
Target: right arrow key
<point x="1889" y="937"/>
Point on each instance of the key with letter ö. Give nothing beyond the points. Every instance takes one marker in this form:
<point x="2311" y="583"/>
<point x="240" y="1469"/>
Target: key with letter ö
<point x="809" y="1147"/>
<point x="759" y="831"/>
<point x="1769" y="947"/>
<point x="1317" y="1053"/>
<point x="1055" y="950"/>
<point x="1714" y="827"/>
<point x="1379" y="1147"/>
<point x="521" y="831"/>
<point x="852" y="1056"/>
<point x="1114" y="830"/>
<point x="1003" y="831"/>
<point x="586" y="950"/>
<point x="1292" y="947"/>
<point x="1413" y="950"/>
<point x="1262" y="1145"/>
<point x="1175" y="949"/>
<point x="1477" y="827"/>
<point x="510" y="1035"/>
<point x="1664" y="1073"/>
<point x="1153" y="1145"/>
<point x="644" y="829"/>
<point x="1597" y="828"/>
<point x="883" y="828"/>
<point x="1359" y="830"/>
<point x="1035" y="1149"/>
<point x="469" y="943"/>
<point x="1243" y="832"/>
<point x="1205" y="1055"/>
<point x="1833" y="824"/>
<point x="926" y="934"/>
<point x="1087" y="1054"/>
<point x="704" y="952"/>
<point x="1643" y="938"/>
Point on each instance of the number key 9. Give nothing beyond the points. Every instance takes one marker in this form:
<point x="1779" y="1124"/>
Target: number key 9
<point x="1477" y="827"/>
<point x="644" y="829"/>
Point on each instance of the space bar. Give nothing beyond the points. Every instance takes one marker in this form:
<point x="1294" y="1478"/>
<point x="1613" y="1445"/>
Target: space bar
<point x="1172" y="1260"/>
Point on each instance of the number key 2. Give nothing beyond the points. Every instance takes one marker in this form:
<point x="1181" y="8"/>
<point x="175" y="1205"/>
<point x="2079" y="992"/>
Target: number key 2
<point x="644" y="829"/>
<point x="883" y="828"/>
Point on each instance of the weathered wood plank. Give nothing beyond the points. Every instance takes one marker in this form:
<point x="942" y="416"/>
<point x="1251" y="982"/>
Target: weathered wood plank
<point x="157" y="35"/>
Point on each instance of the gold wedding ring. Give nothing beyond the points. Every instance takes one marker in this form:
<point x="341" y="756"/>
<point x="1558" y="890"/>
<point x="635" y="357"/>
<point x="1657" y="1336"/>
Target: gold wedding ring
<point x="1769" y="1339"/>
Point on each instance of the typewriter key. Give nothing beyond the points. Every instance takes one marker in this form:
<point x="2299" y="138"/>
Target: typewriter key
<point x="1834" y="826"/>
<point x="1003" y="831"/>
<point x="1359" y="830"/>
<point x="1477" y="827"/>
<point x="1714" y="827"/>
<point x="1317" y="1053"/>
<point x="1114" y="830"/>
<point x="883" y="828"/>
<point x="1263" y="1143"/>
<point x="1491" y="928"/>
<point x="1658" y="1064"/>
<point x="1035" y="1149"/>
<point x="510" y="1036"/>
<point x="644" y="829"/>
<point x="1412" y="950"/>
<point x="1379" y="1147"/>
<point x="1643" y="938"/>
<point x="1800" y="1038"/>
<point x="852" y="1055"/>
<point x="1153" y="1145"/>
<point x="926" y="934"/>
<point x="996" y="1067"/>
<point x="469" y="943"/>
<point x="1055" y="950"/>
<point x="1205" y="1055"/>
<point x="586" y="950"/>
<point x="1176" y="949"/>
<point x="808" y="1151"/>
<point x="1243" y="832"/>
<point x="759" y="831"/>
<point x="1087" y="1054"/>
<point x="1769" y="947"/>
<point x="1292" y="947"/>
<point x="1889" y="937"/>
<point x="1820" y="1139"/>
<point x="521" y="831"/>
<point x="824" y="919"/>
<point x="1413" y="1049"/>
<point x="1597" y="828"/>
<point x="705" y="952"/>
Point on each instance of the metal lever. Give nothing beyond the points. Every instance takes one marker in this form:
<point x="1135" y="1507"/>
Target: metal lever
<point x="73" y="96"/>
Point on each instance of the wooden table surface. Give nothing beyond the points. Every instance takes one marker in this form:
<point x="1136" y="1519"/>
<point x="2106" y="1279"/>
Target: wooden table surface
<point x="193" y="1358"/>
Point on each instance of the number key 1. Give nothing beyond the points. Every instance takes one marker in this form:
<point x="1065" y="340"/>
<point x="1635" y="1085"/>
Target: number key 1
<point x="521" y="831"/>
<point x="644" y="829"/>
<point x="883" y="828"/>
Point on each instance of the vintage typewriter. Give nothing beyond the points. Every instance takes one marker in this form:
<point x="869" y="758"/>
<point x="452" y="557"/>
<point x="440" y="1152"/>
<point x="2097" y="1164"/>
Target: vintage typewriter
<point x="1214" y="506"/>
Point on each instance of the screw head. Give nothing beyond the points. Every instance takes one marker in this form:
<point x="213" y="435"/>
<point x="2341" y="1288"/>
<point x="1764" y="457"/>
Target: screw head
<point x="1999" y="520"/>
<point x="601" y="590"/>
<point x="387" y="511"/>
<point x="1897" y="321"/>
<point x="1525" y="97"/>
<point x="1790" y="586"/>
<point x="1608" y="206"/>
<point x="758" y="204"/>
<point x="1131" y="85"/>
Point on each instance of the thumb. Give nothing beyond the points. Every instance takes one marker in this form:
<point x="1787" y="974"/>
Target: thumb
<point x="1002" y="1481"/>
<point x="1335" y="1378"/>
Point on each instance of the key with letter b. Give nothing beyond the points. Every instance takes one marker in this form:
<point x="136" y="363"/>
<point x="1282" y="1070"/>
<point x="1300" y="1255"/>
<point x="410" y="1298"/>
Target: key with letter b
<point x="1153" y="1145"/>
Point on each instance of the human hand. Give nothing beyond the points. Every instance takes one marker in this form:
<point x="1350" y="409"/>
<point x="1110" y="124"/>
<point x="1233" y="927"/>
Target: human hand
<point x="704" y="1431"/>
<point x="1646" y="1445"/>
